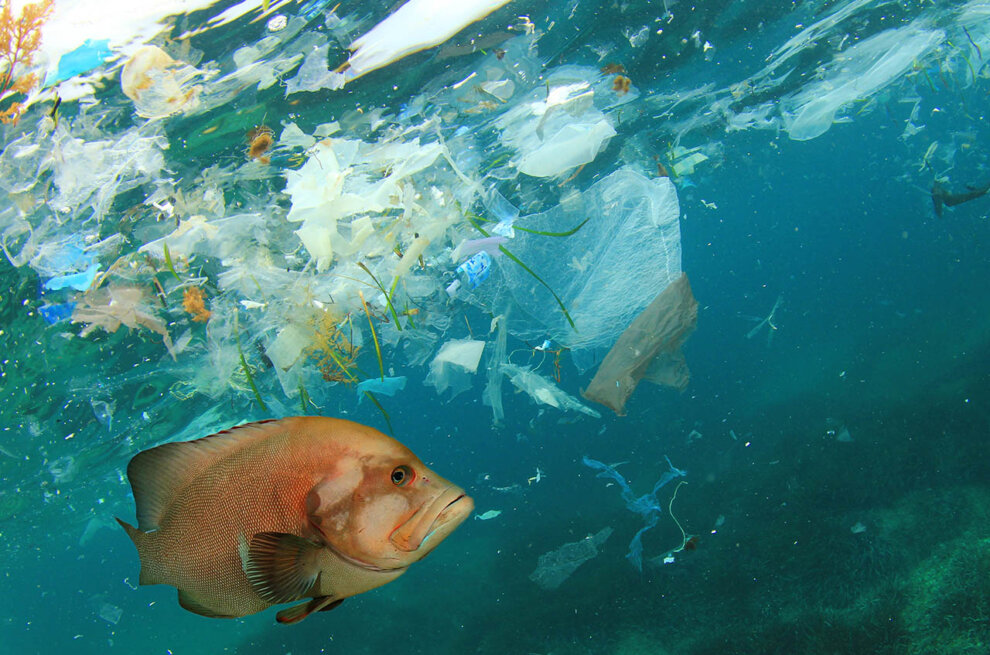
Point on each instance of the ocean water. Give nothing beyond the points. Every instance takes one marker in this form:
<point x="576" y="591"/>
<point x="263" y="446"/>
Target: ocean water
<point x="835" y="459"/>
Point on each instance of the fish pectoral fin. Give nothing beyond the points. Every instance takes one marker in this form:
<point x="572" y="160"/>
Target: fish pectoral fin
<point x="281" y="567"/>
<point x="189" y="603"/>
<point x="297" y="613"/>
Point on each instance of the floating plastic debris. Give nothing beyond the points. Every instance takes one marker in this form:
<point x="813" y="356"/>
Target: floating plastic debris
<point x="557" y="565"/>
<point x="647" y="505"/>
<point x="415" y="26"/>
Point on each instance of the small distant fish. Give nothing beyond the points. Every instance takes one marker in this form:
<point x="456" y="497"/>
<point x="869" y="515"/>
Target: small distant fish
<point x="305" y="509"/>
<point x="490" y="514"/>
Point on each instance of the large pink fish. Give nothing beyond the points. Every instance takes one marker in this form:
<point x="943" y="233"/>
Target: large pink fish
<point x="300" y="509"/>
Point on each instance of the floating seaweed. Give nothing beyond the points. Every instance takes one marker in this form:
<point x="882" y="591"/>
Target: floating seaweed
<point x="334" y="350"/>
<point x="19" y="41"/>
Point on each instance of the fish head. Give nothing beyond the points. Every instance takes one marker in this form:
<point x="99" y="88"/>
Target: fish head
<point x="385" y="510"/>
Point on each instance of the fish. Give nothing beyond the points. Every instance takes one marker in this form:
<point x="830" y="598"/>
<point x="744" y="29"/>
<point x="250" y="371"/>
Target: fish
<point x="305" y="508"/>
<point x="942" y="198"/>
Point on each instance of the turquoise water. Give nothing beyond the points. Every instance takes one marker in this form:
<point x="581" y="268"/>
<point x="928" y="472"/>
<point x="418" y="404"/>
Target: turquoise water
<point x="835" y="461"/>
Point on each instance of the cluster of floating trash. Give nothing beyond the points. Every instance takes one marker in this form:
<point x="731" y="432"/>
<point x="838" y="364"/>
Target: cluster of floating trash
<point x="362" y="240"/>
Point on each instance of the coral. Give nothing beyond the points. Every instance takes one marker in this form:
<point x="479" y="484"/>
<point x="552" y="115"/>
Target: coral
<point x="19" y="40"/>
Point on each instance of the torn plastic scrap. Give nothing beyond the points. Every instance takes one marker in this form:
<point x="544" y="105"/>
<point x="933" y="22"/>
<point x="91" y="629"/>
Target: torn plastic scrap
<point x="543" y="391"/>
<point x="386" y="386"/>
<point x="557" y="565"/>
<point x="454" y="365"/>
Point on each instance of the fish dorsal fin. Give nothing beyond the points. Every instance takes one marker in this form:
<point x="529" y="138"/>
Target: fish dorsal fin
<point x="158" y="473"/>
<point x="281" y="567"/>
<point x="297" y="613"/>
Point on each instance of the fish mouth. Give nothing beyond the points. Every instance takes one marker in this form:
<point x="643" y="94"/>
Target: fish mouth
<point x="433" y="521"/>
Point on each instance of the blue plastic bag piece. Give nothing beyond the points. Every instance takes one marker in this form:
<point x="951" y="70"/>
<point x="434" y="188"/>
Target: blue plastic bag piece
<point x="58" y="312"/>
<point x="647" y="505"/>
<point x="91" y="54"/>
<point x="387" y="386"/>
<point x="68" y="257"/>
<point x="78" y="281"/>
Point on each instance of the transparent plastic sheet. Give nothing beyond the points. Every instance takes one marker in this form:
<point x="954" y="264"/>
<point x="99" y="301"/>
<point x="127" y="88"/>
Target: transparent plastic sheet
<point x="858" y="72"/>
<point x="492" y="395"/>
<point x="543" y="391"/>
<point x="605" y="274"/>
<point x="557" y="565"/>
<point x="649" y="348"/>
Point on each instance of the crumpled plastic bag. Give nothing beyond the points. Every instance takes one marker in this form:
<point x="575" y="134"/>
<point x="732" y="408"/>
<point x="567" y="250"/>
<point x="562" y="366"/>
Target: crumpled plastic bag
<point x="557" y="127"/>
<point x="857" y="73"/>
<point x="649" y="348"/>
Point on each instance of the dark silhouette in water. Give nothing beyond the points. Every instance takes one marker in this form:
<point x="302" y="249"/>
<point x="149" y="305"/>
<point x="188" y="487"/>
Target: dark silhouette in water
<point x="942" y="198"/>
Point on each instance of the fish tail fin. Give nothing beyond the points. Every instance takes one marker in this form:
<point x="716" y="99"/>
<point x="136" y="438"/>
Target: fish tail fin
<point x="141" y="541"/>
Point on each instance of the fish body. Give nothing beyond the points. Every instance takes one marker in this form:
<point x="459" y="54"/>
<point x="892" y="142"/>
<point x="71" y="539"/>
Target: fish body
<point x="941" y="197"/>
<point x="306" y="509"/>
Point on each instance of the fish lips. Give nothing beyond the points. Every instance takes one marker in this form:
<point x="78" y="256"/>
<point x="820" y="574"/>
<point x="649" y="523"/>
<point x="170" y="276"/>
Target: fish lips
<point x="433" y="521"/>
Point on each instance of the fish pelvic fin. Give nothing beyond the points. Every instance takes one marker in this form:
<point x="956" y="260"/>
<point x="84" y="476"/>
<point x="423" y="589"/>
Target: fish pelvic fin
<point x="191" y="604"/>
<point x="297" y="613"/>
<point x="281" y="567"/>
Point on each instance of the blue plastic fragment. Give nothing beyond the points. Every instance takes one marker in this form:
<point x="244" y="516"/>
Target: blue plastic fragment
<point x="78" y="281"/>
<point x="91" y="54"/>
<point x="387" y="386"/>
<point x="647" y="505"/>
<point x="58" y="312"/>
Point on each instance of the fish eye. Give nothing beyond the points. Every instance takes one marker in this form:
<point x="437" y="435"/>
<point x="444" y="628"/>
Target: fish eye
<point x="401" y="475"/>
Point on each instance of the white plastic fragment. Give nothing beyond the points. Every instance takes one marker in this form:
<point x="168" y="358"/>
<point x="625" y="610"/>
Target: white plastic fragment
<point x="415" y="26"/>
<point x="454" y="365"/>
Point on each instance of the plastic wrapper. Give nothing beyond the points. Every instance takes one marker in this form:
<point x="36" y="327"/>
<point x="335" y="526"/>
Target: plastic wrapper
<point x="492" y="395"/>
<point x="384" y="386"/>
<point x="649" y="348"/>
<point x="558" y="565"/>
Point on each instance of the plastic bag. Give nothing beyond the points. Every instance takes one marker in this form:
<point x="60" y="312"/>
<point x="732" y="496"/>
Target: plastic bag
<point x="606" y="273"/>
<point x="649" y="348"/>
